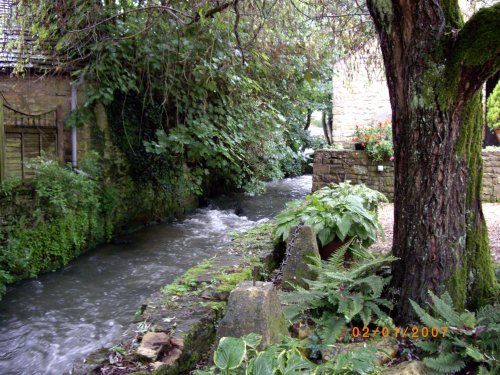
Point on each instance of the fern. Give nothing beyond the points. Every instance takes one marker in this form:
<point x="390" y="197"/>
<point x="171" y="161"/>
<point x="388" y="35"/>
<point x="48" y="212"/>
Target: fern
<point x="445" y="363"/>
<point x="469" y="338"/>
<point x="342" y="294"/>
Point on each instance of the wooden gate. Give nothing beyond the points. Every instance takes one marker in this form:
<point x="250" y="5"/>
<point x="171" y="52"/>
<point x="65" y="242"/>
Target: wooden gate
<point x="24" y="136"/>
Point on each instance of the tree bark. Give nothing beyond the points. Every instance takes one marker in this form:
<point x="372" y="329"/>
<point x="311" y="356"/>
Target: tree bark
<point x="439" y="231"/>
<point x="308" y="119"/>
<point x="327" y="127"/>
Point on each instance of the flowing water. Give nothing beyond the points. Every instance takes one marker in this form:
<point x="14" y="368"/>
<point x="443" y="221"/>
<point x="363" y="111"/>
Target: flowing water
<point x="48" y="323"/>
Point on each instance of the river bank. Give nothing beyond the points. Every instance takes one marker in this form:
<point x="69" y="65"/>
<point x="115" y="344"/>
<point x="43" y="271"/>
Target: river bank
<point x="63" y="316"/>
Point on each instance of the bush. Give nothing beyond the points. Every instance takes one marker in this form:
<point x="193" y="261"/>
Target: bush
<point x="340" y="211"/>
<point x="48" y="223"/>
<point x="241" y="356"/>
<point x="493" y="115"/>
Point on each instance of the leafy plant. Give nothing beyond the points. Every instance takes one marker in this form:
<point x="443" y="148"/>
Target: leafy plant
<point x="339" y="211"/>
<point x="493" y="114"/>
<point x="50" y="221"/>
<point x="241" y="356"/>
<point x="230" y="353"/>
<point x="470" y="339"/>
<point x="341" y="294"/>
<point x="377" y="139"/>
<point x="370" y="198"/>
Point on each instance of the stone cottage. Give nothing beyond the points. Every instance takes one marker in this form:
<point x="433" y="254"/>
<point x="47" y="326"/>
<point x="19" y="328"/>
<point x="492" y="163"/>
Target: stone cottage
<point x="34" y="102"/>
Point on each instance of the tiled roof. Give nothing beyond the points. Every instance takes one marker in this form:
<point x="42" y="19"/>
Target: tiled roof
<point x="10" y="54"/>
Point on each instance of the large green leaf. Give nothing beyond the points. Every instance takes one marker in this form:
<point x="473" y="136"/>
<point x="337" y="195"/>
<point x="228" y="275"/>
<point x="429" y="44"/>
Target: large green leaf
<point x="230" y="353"/>
<point x="344" y="225"/>
<point x="252" y="340"/>
<point x="264" y="363"/>
<point x="297" y="365"/>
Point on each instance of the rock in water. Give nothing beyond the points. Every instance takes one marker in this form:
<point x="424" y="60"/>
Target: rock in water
<point x="296" y="269"/>
<point x="254" y="309"/>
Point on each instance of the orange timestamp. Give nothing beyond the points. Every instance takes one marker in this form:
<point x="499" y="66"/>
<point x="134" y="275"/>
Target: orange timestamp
<point x="408" y="331"/>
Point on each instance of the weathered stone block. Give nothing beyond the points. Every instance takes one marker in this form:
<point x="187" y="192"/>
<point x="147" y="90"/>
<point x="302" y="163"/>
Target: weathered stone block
<point x="296" y="269"/>
<point x="358" y="169"/>
<point x="321" y="169"/>
<point x="254" y="309"/>
<point x="152" y="344"/>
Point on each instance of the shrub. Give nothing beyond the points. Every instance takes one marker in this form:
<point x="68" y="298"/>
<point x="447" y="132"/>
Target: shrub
<point x="241" y="356"/>
<point x="493" y="115"/>
<point x="49" y="222"/>
<point x="339" y="211"/>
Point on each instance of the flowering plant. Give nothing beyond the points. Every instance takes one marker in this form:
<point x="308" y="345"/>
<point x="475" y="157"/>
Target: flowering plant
<point x="377" y="140"/>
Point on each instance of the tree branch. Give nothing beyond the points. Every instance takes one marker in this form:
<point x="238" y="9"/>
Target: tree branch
<point x="212" y="12"/>
<point x="171" y="11"/>
<point x="475" y="56"/>
<point x="236" y="33"/>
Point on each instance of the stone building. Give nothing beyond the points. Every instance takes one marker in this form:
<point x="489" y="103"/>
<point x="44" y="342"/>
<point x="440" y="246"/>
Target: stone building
<point x="34" y="102"/>
<point x="360" y="97"/>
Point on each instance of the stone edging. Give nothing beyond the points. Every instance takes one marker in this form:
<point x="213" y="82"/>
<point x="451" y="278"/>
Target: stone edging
<point x="188" y="310"/>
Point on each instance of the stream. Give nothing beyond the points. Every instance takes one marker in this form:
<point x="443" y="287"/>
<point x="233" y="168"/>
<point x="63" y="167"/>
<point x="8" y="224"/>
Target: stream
<point x="49" y="322"/>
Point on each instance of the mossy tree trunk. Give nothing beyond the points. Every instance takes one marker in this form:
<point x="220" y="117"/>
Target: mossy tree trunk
<point x="435" y="66"/>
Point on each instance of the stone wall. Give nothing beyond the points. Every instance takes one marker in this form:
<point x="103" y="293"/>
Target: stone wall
<point x="491" y="176"/>
<point x="337" y="166"/>
<point x="34" y="94"/>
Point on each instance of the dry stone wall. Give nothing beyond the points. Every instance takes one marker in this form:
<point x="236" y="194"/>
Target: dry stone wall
<point x="337" y="166"/>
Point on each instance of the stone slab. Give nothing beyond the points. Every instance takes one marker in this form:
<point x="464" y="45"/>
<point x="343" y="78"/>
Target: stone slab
<point x="296" y="270"/>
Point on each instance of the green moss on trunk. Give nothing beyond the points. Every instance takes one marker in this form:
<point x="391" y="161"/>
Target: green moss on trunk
<point x="479" y="285"/>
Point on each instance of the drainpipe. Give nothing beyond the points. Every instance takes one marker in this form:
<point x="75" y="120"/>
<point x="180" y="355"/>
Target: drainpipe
<point x="74" y="102"/>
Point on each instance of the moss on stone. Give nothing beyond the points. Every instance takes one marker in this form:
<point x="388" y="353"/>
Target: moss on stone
<point x="228" y="281"/>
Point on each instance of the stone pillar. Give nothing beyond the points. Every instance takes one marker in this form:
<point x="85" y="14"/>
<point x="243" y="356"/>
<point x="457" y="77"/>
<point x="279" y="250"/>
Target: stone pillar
<point x="297" y="269"/>
<point x="253" y="309"/>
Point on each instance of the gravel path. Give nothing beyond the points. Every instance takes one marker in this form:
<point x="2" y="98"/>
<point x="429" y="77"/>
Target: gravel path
<point x="491" y="212"/>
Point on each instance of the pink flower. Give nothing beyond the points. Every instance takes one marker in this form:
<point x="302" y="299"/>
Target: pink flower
<point x="392" y="158"/>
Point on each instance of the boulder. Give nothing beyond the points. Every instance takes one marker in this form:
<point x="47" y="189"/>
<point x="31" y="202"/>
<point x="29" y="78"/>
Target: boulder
<point x="253" y="309"/>
<point x="407" y="368"/>
<point x="296" y="269"/>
